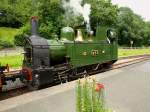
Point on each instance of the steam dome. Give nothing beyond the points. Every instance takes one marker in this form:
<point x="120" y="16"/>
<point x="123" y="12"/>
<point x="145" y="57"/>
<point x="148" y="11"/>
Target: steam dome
<point x="67" y="34"/>
<point x="67" y="29"/>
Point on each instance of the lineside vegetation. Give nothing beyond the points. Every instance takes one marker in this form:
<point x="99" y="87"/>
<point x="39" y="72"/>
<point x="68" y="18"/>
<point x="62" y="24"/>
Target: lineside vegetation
<point x="7" y="36"/>
<point x="14" y="61"/>
<point x="133" y="52"/>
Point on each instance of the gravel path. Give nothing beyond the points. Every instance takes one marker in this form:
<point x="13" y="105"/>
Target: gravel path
<point x="11" y="51"/>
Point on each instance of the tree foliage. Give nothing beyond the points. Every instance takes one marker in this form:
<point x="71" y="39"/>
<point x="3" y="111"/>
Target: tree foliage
<point x="14" y="13"/>
<point x="103" y="12"/>
<point x="52" y="17"/>
<point x="131" y="27"/>
<point x="50" y="13"/>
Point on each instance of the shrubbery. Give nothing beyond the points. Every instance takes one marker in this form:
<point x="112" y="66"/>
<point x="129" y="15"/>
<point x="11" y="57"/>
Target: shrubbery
<point x="6" y="44"/>
<point x="24" y="32"/>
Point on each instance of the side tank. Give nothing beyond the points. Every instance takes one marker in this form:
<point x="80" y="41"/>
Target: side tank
<point x="57" y="48"/>
<point x="57" y="51"/>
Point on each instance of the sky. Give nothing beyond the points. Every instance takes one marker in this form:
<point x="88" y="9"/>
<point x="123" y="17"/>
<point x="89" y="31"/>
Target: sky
<point x="140" y="7"/>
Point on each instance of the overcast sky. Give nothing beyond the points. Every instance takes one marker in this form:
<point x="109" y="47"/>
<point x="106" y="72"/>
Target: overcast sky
<point x="141" y="7"/>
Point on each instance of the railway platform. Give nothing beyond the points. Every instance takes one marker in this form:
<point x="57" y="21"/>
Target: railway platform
<point x="126" y="90"/>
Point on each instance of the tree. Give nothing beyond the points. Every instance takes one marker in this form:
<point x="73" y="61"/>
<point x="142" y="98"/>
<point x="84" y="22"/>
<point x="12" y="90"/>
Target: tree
<point x="103" y="12"/>
<point x="15" y="12"/>
<point x="50" y="15"/>
<point x="146" y="34"/>
<point x="130" y="27"/>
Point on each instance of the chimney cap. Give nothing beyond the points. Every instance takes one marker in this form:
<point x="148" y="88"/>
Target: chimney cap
<point x="34" y="18"/>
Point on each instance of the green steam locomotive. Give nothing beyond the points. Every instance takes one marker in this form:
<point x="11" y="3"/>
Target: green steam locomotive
<point x="63" y="58"/>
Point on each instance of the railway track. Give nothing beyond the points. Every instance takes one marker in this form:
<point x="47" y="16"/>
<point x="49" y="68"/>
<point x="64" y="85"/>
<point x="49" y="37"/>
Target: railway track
<point x="21" y="88"/>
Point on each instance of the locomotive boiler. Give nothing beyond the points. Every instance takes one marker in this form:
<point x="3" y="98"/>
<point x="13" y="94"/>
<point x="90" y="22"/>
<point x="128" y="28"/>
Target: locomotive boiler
<point x="63" y="58"/>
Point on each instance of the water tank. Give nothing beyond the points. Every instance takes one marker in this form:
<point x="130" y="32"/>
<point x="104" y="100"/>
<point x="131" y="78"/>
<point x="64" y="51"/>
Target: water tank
<point x="57" y="50"/>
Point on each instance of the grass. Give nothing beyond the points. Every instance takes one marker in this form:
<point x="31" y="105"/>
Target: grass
<point x="7" y="34"/>
<point x="133" y="52"/>
<point x="13" y="61"/>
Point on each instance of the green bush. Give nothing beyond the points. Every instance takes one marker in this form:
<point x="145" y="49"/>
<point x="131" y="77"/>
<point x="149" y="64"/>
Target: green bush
<point x="24" y="32"/>
<point x="45" y="30"/>
<point x="6" y="44"/>
<point x="19" y="40"/>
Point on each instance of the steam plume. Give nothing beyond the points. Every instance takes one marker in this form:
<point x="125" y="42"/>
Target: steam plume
<point x="79" y="10"/>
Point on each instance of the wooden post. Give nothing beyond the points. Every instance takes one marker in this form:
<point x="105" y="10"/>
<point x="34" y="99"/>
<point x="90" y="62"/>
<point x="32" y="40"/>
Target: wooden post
<point x="131" y="44"/>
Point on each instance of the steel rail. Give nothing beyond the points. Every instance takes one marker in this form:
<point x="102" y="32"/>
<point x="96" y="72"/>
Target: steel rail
<point x="122" y="62"/>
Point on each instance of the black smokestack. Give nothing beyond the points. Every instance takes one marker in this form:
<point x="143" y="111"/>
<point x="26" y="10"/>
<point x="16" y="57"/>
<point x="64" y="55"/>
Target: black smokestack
<point x="34" y="25"/>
